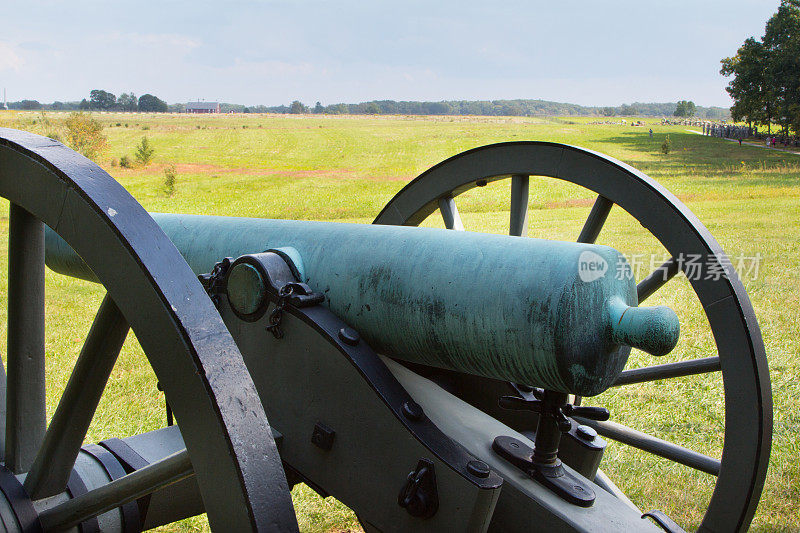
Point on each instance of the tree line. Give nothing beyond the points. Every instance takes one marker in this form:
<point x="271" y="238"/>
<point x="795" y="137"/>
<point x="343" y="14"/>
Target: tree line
<point x="766" y="73"/>
<point x="504" y="108"/>
<point x="100" y="100"/>
<point x="105" y="101"/>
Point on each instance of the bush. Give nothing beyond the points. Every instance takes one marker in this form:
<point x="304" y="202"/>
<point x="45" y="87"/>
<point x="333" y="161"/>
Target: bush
<point x="666" y="146"/>
<point x="113" y="162"/>
<point x="170" y="177"/>
<point x="84" y="134"/>
<point x="144" y="152"/>
<point x="145" y="127"/>
<point x="125" y="162"/>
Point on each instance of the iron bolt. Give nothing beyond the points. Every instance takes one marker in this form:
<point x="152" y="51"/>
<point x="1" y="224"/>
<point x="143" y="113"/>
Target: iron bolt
<point x="586" y="432"/>
<point x="349" y="336"/>
<point x="412" y="410"/>
<point x="478" y="469"/>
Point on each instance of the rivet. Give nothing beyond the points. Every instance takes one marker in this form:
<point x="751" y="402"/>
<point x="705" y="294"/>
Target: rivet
<point x="586" y="432"/>
<point x="349" y="336"/>
<point x="412" y="410"/>
<point x="478" y="469"/>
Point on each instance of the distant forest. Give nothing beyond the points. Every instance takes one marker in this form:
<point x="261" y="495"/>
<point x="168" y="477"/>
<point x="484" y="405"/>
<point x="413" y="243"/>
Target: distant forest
<point x="512" y="108"/>
<point x="504" y="108"/>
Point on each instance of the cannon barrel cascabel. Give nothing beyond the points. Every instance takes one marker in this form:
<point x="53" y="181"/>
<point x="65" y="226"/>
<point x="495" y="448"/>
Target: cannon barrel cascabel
<point x="552" y="314"/>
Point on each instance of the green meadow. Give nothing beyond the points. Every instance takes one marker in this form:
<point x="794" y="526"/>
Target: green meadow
<point x="343" y="168"/>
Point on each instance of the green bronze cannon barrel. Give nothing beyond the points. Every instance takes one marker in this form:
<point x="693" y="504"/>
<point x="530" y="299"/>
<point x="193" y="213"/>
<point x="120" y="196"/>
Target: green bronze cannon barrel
<point x="556" y="315"/>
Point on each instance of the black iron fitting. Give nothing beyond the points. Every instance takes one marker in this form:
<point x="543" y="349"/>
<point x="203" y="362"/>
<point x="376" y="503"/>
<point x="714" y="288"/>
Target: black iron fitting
<point x="214" y="281"/>
<point x="541" y="462"/>
<point x="276" y="316"/>
<point x="293" y="293"/>
<point x="419" y="496"/>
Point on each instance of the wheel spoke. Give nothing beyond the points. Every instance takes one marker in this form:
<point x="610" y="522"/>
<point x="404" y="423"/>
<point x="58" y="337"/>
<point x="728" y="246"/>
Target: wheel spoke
<point x="669" y="370"/>
<point x="597" y="217"/>
<point x="25" y="392"/>
<point x="657" y="279"/>
<point x="452" y="220"/>
<point x="62" y="442"/>
<point x="654" y="445"/>
<point x="147" y="480"/>
<point x="520" y="188"/>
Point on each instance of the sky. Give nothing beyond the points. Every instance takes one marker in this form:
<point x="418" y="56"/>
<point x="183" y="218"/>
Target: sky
<point x="272" y="52"/>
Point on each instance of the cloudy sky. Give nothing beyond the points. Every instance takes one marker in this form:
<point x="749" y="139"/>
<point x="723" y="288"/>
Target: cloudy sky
<point x="270" y="52"/>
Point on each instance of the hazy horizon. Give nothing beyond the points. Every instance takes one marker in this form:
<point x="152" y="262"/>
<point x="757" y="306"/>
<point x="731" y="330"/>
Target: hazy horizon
<point x="270" y="53"/>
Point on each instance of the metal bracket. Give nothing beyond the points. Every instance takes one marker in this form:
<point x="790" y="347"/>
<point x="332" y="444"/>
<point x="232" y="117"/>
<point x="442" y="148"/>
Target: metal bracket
<point x="541" y="462"/>
<point x="666" y="523"/>
<point x="20" y="503"/>
<point x="418" y="495"/>
<point x="554" y="476"/>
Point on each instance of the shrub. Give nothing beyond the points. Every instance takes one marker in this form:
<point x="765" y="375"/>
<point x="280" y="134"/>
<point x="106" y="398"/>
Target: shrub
<point x="170" y="177"/>
<point x="666" y="146"/>
<point x="145" y="127"/>
<point x="113" y="162"/>
<point x="144" y="152"/>
<point x="84" y="134"/>
<point x="125" y="162"/>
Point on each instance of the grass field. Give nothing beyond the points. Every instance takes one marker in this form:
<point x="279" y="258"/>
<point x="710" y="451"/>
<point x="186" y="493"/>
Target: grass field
<point x="347" y="168"/>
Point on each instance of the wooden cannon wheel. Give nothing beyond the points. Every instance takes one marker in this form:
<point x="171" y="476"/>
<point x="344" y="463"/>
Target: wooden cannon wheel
<point x="740" y="357"/>
<point x="151" y="288"/>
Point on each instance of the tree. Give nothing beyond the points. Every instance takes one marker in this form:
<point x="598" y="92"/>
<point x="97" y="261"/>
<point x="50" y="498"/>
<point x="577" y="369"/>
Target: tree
<point x="152" y="104"/>
<point x="666" y="146"/>
<point x="144" y="152"/>
<point x="766" y="74"/>
<point x="685" y="109"/>
<point x="85" y="134"/>
<point x="318" y="109"/>
<point x="750" y="88"/>
<point x="128" y="102"/>
<point x="29" y="104"/>
<point x="298" y="108"/>
<point x="782" y="44"/>
<point x="100" y="99"/>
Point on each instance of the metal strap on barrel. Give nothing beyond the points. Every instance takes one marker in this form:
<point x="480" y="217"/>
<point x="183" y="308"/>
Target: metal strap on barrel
<point x="132" y="521"/>
<point x="21" y="505"/>
<point x="130" y="461"/>
<point x="76" y="487"/>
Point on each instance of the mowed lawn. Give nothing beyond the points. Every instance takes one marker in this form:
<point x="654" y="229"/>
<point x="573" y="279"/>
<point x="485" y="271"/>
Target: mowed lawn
<point x="346" y="168"/>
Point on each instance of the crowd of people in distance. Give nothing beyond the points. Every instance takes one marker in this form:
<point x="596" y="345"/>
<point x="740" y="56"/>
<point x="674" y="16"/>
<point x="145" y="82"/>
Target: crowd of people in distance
<point x="730" y="131"/>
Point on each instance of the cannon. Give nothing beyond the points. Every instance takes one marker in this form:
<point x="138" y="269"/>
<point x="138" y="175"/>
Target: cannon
<point x="430" y="379"/>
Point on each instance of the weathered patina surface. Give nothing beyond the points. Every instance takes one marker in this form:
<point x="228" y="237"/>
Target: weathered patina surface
<point x="491" y="305"/>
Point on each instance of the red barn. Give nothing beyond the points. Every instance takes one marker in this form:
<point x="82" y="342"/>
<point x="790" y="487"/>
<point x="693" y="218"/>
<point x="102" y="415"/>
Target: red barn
<point x="202" y="107"/>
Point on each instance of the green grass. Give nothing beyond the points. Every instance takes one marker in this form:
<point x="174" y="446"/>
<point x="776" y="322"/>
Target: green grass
<point x="347" y="168"/>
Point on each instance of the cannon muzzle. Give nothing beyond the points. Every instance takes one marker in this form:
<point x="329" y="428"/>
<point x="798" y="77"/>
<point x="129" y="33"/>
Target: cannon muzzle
<point x="552" y="314"/>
